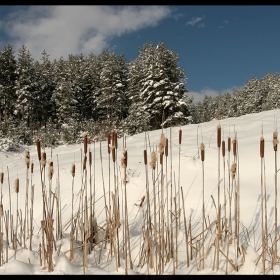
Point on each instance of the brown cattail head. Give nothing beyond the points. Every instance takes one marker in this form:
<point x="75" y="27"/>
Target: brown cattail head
<point x="262" y="147"/>
<point x="43" y="159"/>
<point x="166" y="147"/>
<point x="116" y="140"/>
<point x="27" y="159"/>
<point x="38" y="144"/>
<point x="161" y="159"/>
<point x="2" y="177"/>
<point x="145" y="157"/>
<point x="124" y="159"/>
<point x="73" y="170"/>
<point x="109" y="143"/>
<point x="202" y="150"/>
<point x="180" y="136"/>
<point x="229" y="144"/>
<point x="161" y="144"/>
<point x="234" y="147"/>
<point x="1" y="210"/>
<point x="85" y="143"/>
<point x="142" y="200"/>
<point x="223" y="148"/>
<point x="113" y="154"/>
<point x="50" y="171"/>
<point x="85" y="162"/>
<point x="153" y="160"/>
<point x="275" y="141"/>
<point x="17" y="185"/>
<point x="90" y="158"/>
<point x="219" y="136"/>
<point x="32" y="167"/>
<point x="233" y="170"/>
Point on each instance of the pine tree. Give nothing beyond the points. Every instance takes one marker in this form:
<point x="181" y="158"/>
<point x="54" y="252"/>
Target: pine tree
<point x="8" y="77"/>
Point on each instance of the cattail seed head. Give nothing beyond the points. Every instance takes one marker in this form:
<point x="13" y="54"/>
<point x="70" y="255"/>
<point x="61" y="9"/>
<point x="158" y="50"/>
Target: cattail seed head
<point x="145" y="157"/>
<point x="153" y="160"/>
<point x="43" y="159"/>
<point x="38" y="144"/>
<point x="32" y="167"/>
<point x="229" y="144"/>
<point x="90" y="158"/>
<point x="109" y="142"/>
<point x="85" y="143"/>
<point x="275" y="141"/>
<point x="113" y="154"/>
<point x="1" y="210"/>
<point x="2" y="177"/>
<point x="124" y="159"/>
<point x="202" y="150"/>
<point x="180" y="137"/>
<point x="116" y="140"/>
<point x="262" y="147"/>
<point x="233" y="170"/>
<point x="234" y="147"/>
<point x="17" y="185"/>
<point x="161" y="159"/>
<point x="223" y="148"/>
<point x="50" y="171"/>
<point x="85" y="162"/>
<point x="161" y="144"/>
<point x="73" y="170"/>
<point x="219" y="136"/>
<point x="166" y="147"/>
<point x="27" y="159"/>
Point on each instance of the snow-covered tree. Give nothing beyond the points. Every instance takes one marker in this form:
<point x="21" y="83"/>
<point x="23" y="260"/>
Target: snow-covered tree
<point x="8" y="77"/>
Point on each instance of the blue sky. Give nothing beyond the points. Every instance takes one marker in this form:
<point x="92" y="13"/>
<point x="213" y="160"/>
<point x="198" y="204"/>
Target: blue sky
<point x="220" y="47"/>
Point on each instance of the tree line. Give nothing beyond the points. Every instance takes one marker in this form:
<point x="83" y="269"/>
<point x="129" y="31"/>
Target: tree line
<point x="59" y="100"/>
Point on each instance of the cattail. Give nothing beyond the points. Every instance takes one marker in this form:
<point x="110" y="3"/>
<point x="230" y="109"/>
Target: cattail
<point x="1" y="210"/>
<point x="109" y="142"/>
<point x="38" y="144"/>
<point x="223" y="148"/>
<point x="85" y="143"/>
<point x="275" y="141"/>
<point x="142" y="200"/>
<point x="85" y="162"/>
<point x="50" y="171"/>
<point x="166" y="147"/>
<point x="73" y="170"/>
<point x="43" y="159"/>
<point x="262" y="147"/>
<point x="234" y="147"/>
<point x="161" y="159"/>
<point x="113" y="154"/>
<point x="153" y="160"/>
<point x="90" y="158"/>
<point x="180" y="137"/>
<point x="233" y="170"/>
<point x="202" y="149"/>
<point x="145" y="157"/>
<point x="32" y="167"/>
<point x="116" y="140"/>
<point x="17" y="185"/>
<point x="124" y="159"/>
<point x="2" y="177"/>
<point x="161" y="144"/>
<point x="219" y="136"/>
<point x="229" y="144"/>
<point x="27" y="159"/>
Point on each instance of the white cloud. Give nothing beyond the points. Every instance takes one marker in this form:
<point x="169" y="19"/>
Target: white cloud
<point x="64" y="30"/>
<point x="199" y="96"/>
<point x="195" y="21"/>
